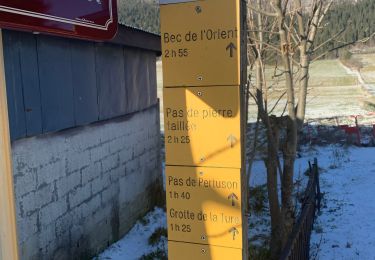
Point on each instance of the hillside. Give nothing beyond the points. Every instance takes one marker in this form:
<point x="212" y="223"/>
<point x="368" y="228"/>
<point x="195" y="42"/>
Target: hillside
<point x="356" y="21"/>
<point x="353" y="17"/>
<point x="143" y="14"/>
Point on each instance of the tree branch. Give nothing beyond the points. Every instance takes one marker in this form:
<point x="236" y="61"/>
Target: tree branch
<point x="255" y="9"/>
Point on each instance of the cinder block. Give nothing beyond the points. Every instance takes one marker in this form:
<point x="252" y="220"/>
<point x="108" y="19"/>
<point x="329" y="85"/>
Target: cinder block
<point x="111" y="162"/>
<point x="130" y="212"/>
<point x="128" y="188"/>
<point x="99" y="152"/>
<point x="35" y="200"/>
<point x="77" y="160"/>
<point x="139" y="149"/>
<point x="116" y="145"/>
<point x="91" y="172"/>
<point x="108" y="194"/>
<point x="25" y="182"/>
<point x="79" y="195"/>
<point x="46" y="235"/>
<point x="100" y="184"/>
<point x="78" y="144"/>
<point x="27" y="227"/>
<point x="63" y="249"/>
<point x="68" y="183"/>
<point x="29" y="249"/>
<point x="92" y="179"/>
<point x="132" y="166"/>
<point x="77" y="234"/>
<point x="50" y="213"/>
<point x="125" y="155"/>
<point x="63" y="223"/>
<point x="115" y="174"/>
<point x="77" y="217"/>
<point x="51" y="171"/>
<point x="121" y="172"/>
<point x="19" y="164"/>
<point x="91" y="206"/>
<point x="98" y="223"/>
<point x="98" y="242"/>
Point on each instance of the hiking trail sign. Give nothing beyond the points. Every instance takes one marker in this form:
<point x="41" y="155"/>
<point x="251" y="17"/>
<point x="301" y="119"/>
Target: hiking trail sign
<point x="201" y="43"/>
<point x="202" y="126"/>
<point x="85" y="19"/>
<point x="216" y="220"/>
<point x="203" y="75"/>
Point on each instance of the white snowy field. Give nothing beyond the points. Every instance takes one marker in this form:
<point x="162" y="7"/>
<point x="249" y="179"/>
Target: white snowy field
<point x="345" y="228"/>
<point x="135" y="244"/>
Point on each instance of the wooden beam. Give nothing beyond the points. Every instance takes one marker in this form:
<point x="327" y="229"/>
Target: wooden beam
<point x="8" y="228"/>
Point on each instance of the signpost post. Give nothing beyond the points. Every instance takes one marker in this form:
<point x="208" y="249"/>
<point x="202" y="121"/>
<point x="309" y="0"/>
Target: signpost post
<point x="204" y="73"/>
<point x="84" y="19"/>
<point x="8" y="234"/>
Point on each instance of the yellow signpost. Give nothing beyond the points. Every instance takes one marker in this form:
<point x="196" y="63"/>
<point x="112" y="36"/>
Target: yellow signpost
<point x="186" y="251"/>
<point x="204" y="205"/>
<point x="201" y="43"/>
<point x="203" y="75"/>
<point x="202" y="126"/>
<point x="8" y="228"/>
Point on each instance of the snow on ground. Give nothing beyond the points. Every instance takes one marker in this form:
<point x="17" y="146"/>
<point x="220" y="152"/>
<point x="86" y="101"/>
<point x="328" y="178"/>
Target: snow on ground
<point x="135" y="244"/>
<point x="346" y="227"/>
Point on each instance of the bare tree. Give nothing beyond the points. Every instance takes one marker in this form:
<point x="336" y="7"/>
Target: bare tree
<point x="281" y="35"/>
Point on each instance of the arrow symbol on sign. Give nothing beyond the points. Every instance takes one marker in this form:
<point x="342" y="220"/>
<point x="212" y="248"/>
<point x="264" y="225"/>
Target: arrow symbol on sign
<point x="233" y="140"/>
<point x="234" y="232"/>
<point x="231" y="47"/>
<point x="233" y="197"/>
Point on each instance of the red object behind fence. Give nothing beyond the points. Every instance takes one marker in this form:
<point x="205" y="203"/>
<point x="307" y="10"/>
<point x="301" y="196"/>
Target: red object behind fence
<point x="349" y="130"/>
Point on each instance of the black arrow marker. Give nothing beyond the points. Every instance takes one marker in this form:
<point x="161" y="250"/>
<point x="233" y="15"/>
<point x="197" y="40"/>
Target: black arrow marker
<point x="234" y="232"/>
<point x="233" y="197"/>
<point x="231" y="47"/>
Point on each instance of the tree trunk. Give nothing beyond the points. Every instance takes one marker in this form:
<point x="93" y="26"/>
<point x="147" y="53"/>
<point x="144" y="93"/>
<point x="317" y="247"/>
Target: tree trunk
<point x="287" y="210"/>
<point x="304" y="81"/>
<point x="273" y="197"/>
<point x="271" y="18"/>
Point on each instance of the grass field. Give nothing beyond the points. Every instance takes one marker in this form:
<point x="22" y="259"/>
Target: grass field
<point x="368" y="66"/>
<point x="367" y="74"/>
<point x="330" y="73"/>
<point x="333" y="91"/>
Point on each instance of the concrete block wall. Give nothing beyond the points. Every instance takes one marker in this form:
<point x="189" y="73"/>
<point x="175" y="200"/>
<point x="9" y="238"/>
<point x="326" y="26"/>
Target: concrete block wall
<point x="79" y="190"/>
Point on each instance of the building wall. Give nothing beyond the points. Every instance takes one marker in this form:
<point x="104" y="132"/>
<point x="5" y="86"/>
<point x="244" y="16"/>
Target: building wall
<point x="55" y="83"/>
<point x="84" y="121"/>
<point x="79" y="190"/>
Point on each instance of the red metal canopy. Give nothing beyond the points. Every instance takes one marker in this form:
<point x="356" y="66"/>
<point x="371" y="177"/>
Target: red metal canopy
<point x="86" y="19"/>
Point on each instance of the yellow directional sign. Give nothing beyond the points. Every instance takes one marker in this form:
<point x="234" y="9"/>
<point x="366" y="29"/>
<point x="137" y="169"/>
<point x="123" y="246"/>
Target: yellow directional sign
<point x="204" y="205"/>
<point x="201" y="43"/>
<point x="203" y="77"/>
<point x="202" y="126"/>
<point x="186" y="251"/>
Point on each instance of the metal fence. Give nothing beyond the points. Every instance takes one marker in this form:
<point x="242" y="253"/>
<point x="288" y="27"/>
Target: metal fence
<point x="298" y="245"/>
